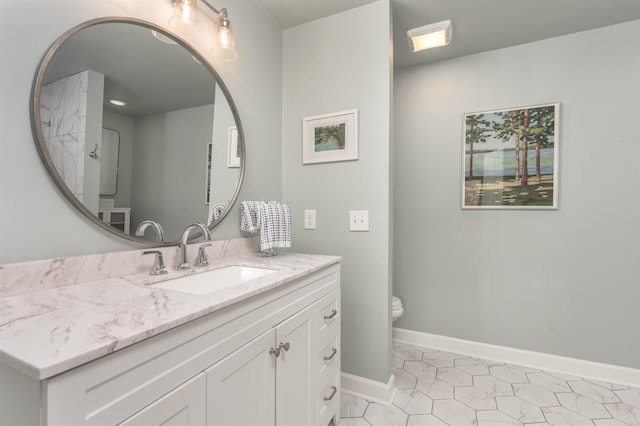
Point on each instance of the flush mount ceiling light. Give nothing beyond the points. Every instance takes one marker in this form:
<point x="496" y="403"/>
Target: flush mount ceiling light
<point x="184" y="20"/>
<point x="117" y="102"/>
<point x="429" y="36"/>
<point x="163" y="38"/>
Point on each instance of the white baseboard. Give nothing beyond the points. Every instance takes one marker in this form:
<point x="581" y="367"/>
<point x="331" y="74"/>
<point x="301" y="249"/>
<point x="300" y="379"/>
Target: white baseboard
<point x="369" y="389"/>
<point x="542" y="361"/>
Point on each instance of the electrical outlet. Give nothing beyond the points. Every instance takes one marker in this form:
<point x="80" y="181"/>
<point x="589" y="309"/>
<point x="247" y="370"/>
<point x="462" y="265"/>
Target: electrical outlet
<point x="359" y="220"/>
<point x="309" y="219"/>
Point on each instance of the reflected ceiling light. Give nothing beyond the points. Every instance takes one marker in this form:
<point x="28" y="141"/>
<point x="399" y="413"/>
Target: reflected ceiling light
<point x="117" y="102"/>
<point x="429" y="36"/>
<point x="163" y="38"/>
<point x="185" y="21"/>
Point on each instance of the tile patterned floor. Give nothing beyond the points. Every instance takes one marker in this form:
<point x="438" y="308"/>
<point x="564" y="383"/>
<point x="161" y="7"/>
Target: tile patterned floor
<point x="438" y="388"/>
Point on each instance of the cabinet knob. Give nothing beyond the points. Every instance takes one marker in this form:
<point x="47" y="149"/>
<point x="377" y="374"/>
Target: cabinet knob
<point x="284" y="346"/>
<point x="275" y="351"/>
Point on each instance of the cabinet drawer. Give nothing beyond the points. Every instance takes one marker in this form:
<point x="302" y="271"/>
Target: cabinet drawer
<point x="328" y="354"/>
<point x="329" y="312"/>
<point x="328" y="399"/>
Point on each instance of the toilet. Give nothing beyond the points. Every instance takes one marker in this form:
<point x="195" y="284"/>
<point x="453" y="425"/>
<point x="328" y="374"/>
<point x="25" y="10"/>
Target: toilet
<point x="396" y="308"/>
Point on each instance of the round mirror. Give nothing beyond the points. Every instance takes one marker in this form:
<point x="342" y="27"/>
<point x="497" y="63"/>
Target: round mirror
<point x="133" y="125"/>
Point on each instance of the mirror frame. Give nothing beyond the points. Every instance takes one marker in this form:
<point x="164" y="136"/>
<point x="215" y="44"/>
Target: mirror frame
<point x="43" y="152"/>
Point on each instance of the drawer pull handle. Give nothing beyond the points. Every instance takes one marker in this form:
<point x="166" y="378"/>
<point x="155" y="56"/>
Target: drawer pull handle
<point x="334" y="351"/>
<point x="275" y="352"/>
<point x="284" y="346"/>
<point x="333" y="393"/>
<point x="333" y="314"/>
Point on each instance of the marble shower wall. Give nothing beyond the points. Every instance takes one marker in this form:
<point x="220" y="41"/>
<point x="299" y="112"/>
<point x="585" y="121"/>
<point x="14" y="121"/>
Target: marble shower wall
<point x="63" y="111"/>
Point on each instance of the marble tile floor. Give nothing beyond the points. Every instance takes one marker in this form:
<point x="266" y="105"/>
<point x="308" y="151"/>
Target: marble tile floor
<point x="436" y="388"/>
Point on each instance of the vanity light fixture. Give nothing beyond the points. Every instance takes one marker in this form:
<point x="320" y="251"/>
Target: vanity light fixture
<point x="429" y="36"/>
<point x="185" y="20"/>
<point x="117" y="102"/>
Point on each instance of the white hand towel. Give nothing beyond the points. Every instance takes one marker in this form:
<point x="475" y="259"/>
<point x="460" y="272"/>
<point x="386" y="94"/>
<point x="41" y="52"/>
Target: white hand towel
<point x="215" y="210"/>
<point x="275" y="225"/>
<point x="271" y="219"/>
<point x="249" y="216"/>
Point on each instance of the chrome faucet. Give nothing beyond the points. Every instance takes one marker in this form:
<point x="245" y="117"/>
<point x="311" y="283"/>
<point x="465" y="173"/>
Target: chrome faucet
<point x="182" y="247"/>
<point x="155" y="225"/>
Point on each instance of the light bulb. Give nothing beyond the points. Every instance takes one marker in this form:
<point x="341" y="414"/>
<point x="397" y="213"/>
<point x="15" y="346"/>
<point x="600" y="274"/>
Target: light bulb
<point x="184" y="18"/>
<point x="224" y="43"/>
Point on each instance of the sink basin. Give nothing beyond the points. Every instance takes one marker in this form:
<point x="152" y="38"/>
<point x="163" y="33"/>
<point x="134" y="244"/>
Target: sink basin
<point x="213" y="280"/>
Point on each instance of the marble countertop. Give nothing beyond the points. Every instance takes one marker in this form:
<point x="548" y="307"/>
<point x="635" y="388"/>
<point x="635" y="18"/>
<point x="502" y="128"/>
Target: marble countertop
<point x="45" y="333"/>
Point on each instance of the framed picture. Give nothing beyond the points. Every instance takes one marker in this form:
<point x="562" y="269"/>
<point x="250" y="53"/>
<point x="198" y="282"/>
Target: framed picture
<point x="233" y="153"/>
<point x="330" y="137"/>
<point x="208" y="177"/>
<point x="510" y="158"/>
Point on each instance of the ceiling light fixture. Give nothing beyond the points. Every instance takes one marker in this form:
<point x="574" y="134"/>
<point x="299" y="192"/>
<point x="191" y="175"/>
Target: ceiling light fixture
<point x="117" y="102"/>
<point x="429" y="36"/>
<point x="163" y="38"/>
<point x="185" y="21"/>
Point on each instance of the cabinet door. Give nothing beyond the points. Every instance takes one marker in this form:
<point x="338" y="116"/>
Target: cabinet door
<point x="184" y="406"/>
<point x="241" y="387"/>
<point x="294" y="378"/>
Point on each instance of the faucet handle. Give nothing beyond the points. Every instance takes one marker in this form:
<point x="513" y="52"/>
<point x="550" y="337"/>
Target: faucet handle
<point x="158" y="267"/>
<point x="202" y="255"/>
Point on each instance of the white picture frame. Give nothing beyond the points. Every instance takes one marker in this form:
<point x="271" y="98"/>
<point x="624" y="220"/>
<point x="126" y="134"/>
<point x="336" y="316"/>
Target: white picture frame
<point x="330" y="137"/>
<point x="510" y="158"/>
<point x="233" y="155"/>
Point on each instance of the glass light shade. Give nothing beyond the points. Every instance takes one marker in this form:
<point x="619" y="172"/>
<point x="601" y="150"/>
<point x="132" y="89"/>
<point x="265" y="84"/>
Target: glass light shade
<point x="429" y="36"/>
<point x="184" y="19"/>
<point x="224" y="44"/>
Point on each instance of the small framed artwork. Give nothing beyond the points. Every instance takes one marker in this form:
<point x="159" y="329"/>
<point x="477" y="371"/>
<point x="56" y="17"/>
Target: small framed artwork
<point x="510" y="158"/>
<point x="233" y="153"/>
<point x="330" y="137"/>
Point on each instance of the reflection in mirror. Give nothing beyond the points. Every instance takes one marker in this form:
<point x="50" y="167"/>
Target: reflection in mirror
<point x="108" y="158"/>
<point x="151" y="160"/>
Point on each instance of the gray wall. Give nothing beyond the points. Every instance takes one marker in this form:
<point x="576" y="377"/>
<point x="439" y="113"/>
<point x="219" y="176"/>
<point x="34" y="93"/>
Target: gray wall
<point x="562" y="282"/>
<point x="330" y="65"/>
<point x="124" y="125"/>
<point x="169" y="177"/>
<point x="36" y="222"/>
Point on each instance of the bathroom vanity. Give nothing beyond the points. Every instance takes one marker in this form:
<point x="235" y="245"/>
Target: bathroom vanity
<point x="97" y="340"/>
<point x="124" y="351"/>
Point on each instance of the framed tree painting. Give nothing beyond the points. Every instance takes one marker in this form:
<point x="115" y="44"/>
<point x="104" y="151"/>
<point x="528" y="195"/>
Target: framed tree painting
<point x="510" y="158"/>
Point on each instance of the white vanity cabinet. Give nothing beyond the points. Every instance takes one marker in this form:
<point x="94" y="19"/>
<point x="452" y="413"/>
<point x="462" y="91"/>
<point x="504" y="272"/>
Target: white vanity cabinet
<point x="282" y="370"/>
<point x="218" y="370"/>
<point x="242" y="388"/>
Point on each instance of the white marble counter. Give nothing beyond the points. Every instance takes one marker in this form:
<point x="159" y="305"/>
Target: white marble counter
<point x="44" y="333"/>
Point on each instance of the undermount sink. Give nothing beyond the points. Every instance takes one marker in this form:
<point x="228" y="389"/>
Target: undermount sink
<point x="213" y="280"/>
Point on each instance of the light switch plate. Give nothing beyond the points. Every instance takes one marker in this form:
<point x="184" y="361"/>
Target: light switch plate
<point x="309" y="219"/>
<point x="359" y="220"/>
